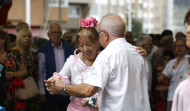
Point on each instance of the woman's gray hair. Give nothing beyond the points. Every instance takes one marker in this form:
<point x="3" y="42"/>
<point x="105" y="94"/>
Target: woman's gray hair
<point x="142" y="40"/>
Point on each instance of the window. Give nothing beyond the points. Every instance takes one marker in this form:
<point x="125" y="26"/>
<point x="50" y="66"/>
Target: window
<point x="74" y="11"/>
<point x="55" y="3"/>
<point x="104" y="9"/>
<point x="93" y="9"/>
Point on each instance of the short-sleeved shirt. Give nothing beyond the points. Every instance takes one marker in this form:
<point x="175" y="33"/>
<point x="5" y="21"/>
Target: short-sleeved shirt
<point x="175" y="75"/>
<point x="121" y="75"/>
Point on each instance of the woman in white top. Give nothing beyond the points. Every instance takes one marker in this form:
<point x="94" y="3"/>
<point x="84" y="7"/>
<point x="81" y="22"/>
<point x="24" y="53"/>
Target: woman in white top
<point x="75" y="70"/>
<point x="174" y="70"/>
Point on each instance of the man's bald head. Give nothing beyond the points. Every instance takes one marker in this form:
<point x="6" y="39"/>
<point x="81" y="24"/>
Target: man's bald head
<point x="114" y="24"/>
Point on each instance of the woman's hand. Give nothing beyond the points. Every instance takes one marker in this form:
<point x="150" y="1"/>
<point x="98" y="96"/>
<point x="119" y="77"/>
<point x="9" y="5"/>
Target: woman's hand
<point x="141" y="51"/>
<point x="54" y="85"/>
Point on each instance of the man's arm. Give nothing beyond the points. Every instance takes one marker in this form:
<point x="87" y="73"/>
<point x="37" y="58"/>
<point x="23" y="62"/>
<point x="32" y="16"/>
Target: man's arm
<point x="55" y="86"/>
<point x="82" y="90"/>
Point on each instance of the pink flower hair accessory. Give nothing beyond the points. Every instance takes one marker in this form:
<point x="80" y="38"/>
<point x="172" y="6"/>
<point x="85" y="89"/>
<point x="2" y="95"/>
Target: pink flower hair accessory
<point x="88" y="22"/>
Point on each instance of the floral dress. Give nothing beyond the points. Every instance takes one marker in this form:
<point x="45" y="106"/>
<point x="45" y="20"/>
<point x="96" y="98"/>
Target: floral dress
<point x="30" y="61"/>
<point x="12" y="62"/>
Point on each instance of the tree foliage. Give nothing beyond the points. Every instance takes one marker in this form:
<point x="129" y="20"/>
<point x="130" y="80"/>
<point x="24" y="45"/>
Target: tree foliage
<point x="136" y="27"/>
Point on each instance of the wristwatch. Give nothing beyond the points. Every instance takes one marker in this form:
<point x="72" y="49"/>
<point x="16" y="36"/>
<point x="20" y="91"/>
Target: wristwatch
<point x="63" y="91"/>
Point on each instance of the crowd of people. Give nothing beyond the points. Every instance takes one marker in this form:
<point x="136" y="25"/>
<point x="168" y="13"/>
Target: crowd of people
<point x="102" y="69"/>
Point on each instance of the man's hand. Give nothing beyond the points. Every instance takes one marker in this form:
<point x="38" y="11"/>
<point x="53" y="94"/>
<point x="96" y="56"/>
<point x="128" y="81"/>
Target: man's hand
<point x="54" y="85"/>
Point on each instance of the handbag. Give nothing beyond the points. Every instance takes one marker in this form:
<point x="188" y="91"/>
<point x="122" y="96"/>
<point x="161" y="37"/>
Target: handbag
<point x="30" y="90"/>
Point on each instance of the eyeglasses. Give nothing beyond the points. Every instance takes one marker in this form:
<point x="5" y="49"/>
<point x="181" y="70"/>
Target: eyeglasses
<point x="101" y="31"/>
<point x="187" y="23"/>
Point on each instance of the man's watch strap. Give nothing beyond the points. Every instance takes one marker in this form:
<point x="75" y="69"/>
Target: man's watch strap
<point x="63" y="91"/>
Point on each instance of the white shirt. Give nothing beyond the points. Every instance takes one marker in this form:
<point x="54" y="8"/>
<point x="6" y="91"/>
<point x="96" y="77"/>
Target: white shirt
<point x="175" y="75"/>
<point x="76" y="70"/>
<point x="121" y="75"/>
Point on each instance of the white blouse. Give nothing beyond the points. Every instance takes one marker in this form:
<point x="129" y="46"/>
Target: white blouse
<point x="76" y="69"/>
<point x="175" y="75"/>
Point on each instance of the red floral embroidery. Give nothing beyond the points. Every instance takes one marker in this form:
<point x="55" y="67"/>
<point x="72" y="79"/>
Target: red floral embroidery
<point x="14" y="64"/>
<point x="6" y="63"/>
<point x="15" y="49"/>
<point x="16" y="83"/>
<point x="11" y="59"/>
